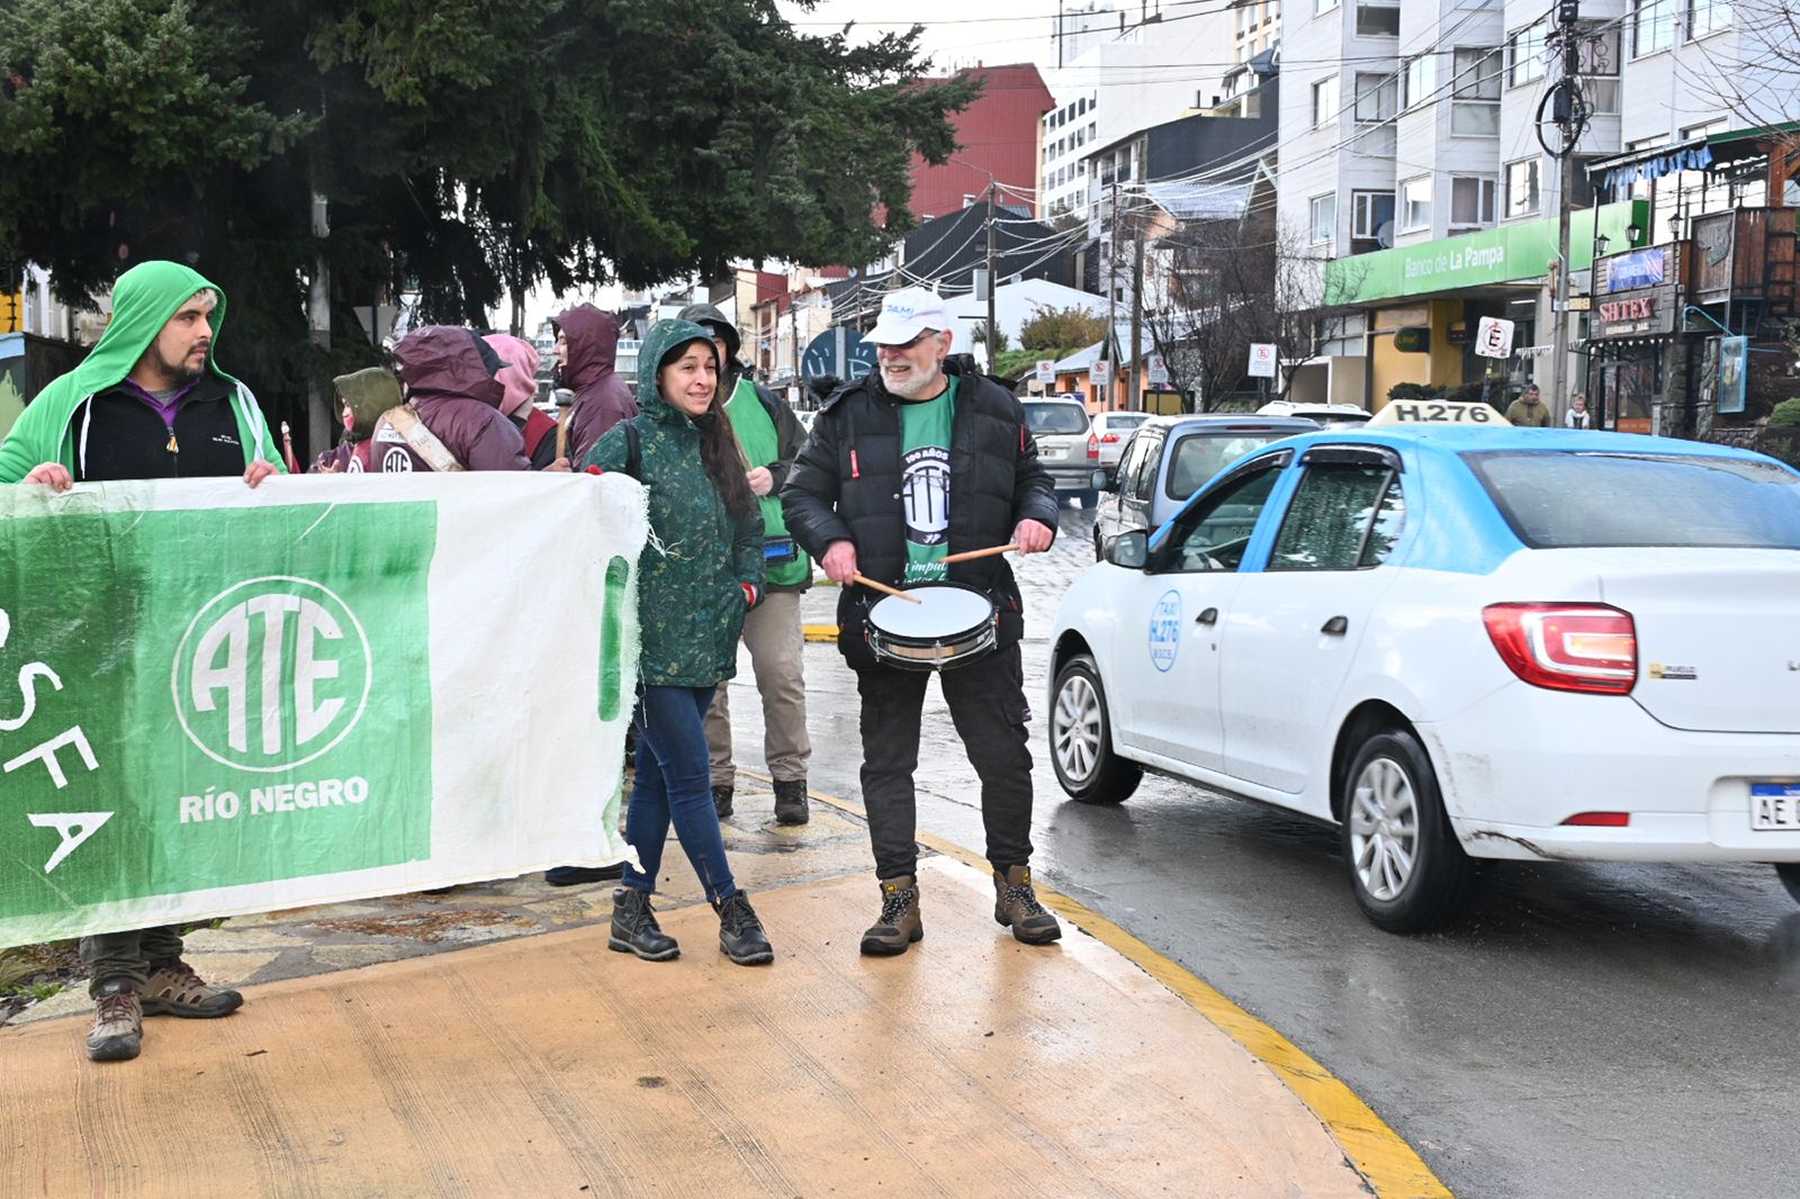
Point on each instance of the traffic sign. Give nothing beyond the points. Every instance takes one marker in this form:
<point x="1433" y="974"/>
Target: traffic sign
<point x="1101" y="372"/>
<point x="1159" y="370"/>
<point x="1494" y="338"/>
<point x="1046" y="371"/>
<point x="1262" y="360"/>
<point x="839" y="352"/>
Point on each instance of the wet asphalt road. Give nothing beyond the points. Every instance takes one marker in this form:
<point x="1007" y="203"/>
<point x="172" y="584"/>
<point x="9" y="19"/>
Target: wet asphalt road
<point x="1596" y="1030"/>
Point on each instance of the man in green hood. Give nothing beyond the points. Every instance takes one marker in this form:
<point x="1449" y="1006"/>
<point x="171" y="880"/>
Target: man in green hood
<point x="148" y="402"/>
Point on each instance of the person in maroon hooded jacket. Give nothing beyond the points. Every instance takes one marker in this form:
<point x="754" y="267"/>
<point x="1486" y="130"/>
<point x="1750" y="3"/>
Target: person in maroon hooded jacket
<point x="453" y="409"/>
<point x="587" y="347"/>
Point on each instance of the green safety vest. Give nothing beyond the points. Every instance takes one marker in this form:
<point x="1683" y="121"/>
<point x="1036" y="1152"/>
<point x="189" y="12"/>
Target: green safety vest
<point x="761" y="444"/>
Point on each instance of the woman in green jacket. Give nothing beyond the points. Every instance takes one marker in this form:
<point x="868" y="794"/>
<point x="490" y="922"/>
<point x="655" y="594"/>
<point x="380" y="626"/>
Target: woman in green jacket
<point x="699" y="576"/>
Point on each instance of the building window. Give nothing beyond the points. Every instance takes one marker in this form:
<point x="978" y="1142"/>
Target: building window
<point x="1376" y="97"/>
<point x="1415" y="204"/>
<point x="1325" y="101"/>
<point x="1525" y="55"/>
<point x="1476" y="110"/>
<point x="1652" y="26"/>
<point x="1706" y="129"/>
<point x="1599" y="65"/>
<point x="1417" y="81"/>
<point x="1471" y="201"/>
<point x="1376" y="19"/>
<point x="1322" y="215"/>
<point x="1372" y="211"/>
<point x="1321" y="7"/>
<point x="1522" y="188"/>
<point x="1092" y="127"/>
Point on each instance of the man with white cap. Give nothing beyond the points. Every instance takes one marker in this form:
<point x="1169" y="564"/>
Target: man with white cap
<point x="904" y="467"/>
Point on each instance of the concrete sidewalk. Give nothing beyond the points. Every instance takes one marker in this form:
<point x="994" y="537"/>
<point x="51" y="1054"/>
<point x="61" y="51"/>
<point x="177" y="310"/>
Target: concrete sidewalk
<point x="543" y="1064"/>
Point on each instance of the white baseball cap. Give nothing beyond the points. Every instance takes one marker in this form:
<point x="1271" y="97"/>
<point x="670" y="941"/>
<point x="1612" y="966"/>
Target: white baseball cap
<point x="907" y="313"/>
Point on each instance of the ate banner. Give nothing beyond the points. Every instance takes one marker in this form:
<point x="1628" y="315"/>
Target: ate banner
<point x="216" y="701"/>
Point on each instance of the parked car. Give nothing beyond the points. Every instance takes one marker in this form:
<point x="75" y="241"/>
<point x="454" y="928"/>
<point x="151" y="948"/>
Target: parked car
<point x="1167" y="460"/>
<point x="1458" y="643"/>
<point x="1107" y="437"/>
<point x="1330" y="416"/>
<point x="1060" y="428"/>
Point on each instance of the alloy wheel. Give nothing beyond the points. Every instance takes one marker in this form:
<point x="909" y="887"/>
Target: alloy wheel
<point x="1075" y="729"/>
<point x="1384" y="829"/>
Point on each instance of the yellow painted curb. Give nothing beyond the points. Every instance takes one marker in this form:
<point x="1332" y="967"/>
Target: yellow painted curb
<point x="1392" y="1167"/>
<point x="820" y="632"/>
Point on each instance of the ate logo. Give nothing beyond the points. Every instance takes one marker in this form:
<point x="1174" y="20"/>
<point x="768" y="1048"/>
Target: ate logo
<point x="271" y="674"/>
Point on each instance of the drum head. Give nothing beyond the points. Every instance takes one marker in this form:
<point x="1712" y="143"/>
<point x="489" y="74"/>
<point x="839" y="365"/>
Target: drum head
<point x="940" y="612"/>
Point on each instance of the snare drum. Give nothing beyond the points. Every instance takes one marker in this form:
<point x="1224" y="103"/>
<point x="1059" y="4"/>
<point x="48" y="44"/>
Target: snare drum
<point x="949" y="626"/>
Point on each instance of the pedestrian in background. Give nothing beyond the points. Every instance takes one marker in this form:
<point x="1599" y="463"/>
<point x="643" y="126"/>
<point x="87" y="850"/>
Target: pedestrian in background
<point x="518" y="376"/>
<point x="1578" y="413"/>
<point x="587" y="351"/>
<point x="768" y="435"/>
<point x="451" y="419"/>
<point x="904" y="466"/>
<point x="363" y="396"/>
<point x="150" y="401"/>
<point x="1528" y="411"/>
<point x="698" y="579"/>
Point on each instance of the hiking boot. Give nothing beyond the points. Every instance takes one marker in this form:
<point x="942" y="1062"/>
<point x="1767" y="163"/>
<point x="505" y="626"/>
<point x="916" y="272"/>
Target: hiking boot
<point x="634" y="928"/>
<point x="722" y="801"/>
<point x="790" y="802"/>
<point x="175" y="990"/>
<point x="741" y="936"/>
<point x="899" y="925"/>
<point x="118" y="1032"/>
<point x="573" y="876"/>
<point x="1016" y="906"/>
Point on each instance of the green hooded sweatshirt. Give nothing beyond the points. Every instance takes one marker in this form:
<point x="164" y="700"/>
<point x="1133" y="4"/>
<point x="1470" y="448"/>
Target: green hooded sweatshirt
<point x="690" y="605"/>
<point x="144" y="298"/>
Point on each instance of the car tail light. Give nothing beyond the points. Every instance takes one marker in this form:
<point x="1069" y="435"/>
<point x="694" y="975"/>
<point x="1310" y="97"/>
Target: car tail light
<point x="1110" y="439"/>
<point x="1093" y="445"/>
<point x="1600" y="819"/>
<point x="1589" y="648"/>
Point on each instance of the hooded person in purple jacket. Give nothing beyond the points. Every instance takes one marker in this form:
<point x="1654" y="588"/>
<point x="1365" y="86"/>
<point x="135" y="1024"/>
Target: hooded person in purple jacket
<point x="586" y="351"/>
<point x="449" y="376"/>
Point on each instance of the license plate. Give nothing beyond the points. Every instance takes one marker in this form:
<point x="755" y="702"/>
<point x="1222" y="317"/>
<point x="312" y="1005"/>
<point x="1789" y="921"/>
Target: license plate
<point x="1775" y="807"/>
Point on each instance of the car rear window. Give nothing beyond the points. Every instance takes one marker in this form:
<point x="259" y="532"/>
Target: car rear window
<point x="1591" y="500"/>
<point x="1125" y="420"/>
<point x="1056" y="418"/>
<point x="1200" y="456"/>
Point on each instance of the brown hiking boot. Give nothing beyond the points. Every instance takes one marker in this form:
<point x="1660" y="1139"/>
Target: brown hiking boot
<point x="790" y="802"/>
<point x="118" y="1032"/>
<point x="899" y="925"/>
<point x="1016" y="906"/>
<point x="175" y="990"/>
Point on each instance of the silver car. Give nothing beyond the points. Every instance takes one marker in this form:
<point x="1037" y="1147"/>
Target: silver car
<point x="1060" y="428"/>
<point x="1170" y="457"/>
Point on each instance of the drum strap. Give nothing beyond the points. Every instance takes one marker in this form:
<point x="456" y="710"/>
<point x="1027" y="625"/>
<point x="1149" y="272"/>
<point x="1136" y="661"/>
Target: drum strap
<point x="423" y="441"/>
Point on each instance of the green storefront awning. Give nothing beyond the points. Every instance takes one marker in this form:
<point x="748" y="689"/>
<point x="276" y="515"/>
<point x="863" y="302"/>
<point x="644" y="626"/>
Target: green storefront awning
<point x="1507" y="254"/>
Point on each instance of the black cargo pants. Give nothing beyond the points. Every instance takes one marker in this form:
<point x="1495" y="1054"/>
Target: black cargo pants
<point x="987" y="705"/>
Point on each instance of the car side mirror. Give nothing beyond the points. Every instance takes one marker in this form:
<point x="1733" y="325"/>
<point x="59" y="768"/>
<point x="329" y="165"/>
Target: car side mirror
<point x="1130" y="550"/>
<point x="1101" y="481"/>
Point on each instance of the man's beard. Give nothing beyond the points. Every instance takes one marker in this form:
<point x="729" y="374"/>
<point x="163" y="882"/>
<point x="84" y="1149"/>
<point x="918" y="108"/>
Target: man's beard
<point x="917" y="386"/>
<point x="181" y="372"/>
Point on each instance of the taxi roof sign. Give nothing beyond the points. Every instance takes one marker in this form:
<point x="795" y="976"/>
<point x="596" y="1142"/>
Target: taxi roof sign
<point x="1439" y="412"/>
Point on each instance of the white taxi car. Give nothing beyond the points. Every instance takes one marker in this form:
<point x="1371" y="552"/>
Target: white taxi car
<point x="1458" y="642"/>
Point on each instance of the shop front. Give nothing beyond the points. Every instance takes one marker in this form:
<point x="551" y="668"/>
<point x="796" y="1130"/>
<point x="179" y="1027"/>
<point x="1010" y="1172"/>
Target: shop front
<point x="1632" y="323"/>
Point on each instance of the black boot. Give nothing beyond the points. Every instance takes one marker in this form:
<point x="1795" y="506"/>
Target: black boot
<point x="634" y="928"/>
<point x="790" y="802"/>
<point x="741" y="936"/>
<point x="722" y="801"/>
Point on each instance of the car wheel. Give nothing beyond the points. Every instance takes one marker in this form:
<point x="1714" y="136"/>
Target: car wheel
<point x="1081" y="746"/>
<point x="1789" y="874"/>
<point x="1090" y="500"/>
<point x="1407" y="869"/>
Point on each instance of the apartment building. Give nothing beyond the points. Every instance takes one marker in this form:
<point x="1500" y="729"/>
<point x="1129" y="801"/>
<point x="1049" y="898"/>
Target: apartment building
<point x="1413" y="161"/>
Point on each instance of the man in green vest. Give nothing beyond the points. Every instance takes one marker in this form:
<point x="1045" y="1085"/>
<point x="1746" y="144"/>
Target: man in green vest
<point x="770" y="435"/>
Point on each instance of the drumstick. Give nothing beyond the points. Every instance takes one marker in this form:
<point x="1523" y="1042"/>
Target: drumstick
<point x="989" y="552"/>
<point x="872" y="585"/>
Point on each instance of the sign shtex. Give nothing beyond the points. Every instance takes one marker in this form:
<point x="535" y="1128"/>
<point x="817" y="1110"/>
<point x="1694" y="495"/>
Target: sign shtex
<point x="216" y="701"/>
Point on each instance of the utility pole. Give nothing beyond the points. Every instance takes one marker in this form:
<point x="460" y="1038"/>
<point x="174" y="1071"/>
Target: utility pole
<point x="318" y="313"/>
<point x="993" y="333"/>
<point x="1571" y="118"/>
<point x="1112" y="289"/>
<point x="1134" y="398"/>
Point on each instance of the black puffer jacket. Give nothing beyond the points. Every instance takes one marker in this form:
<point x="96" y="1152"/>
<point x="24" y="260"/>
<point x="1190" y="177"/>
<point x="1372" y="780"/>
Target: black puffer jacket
<point x="846" y="484"/>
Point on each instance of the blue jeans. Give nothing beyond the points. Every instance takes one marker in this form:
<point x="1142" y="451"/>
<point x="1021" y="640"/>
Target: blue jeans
<point x="674" y="784"/>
